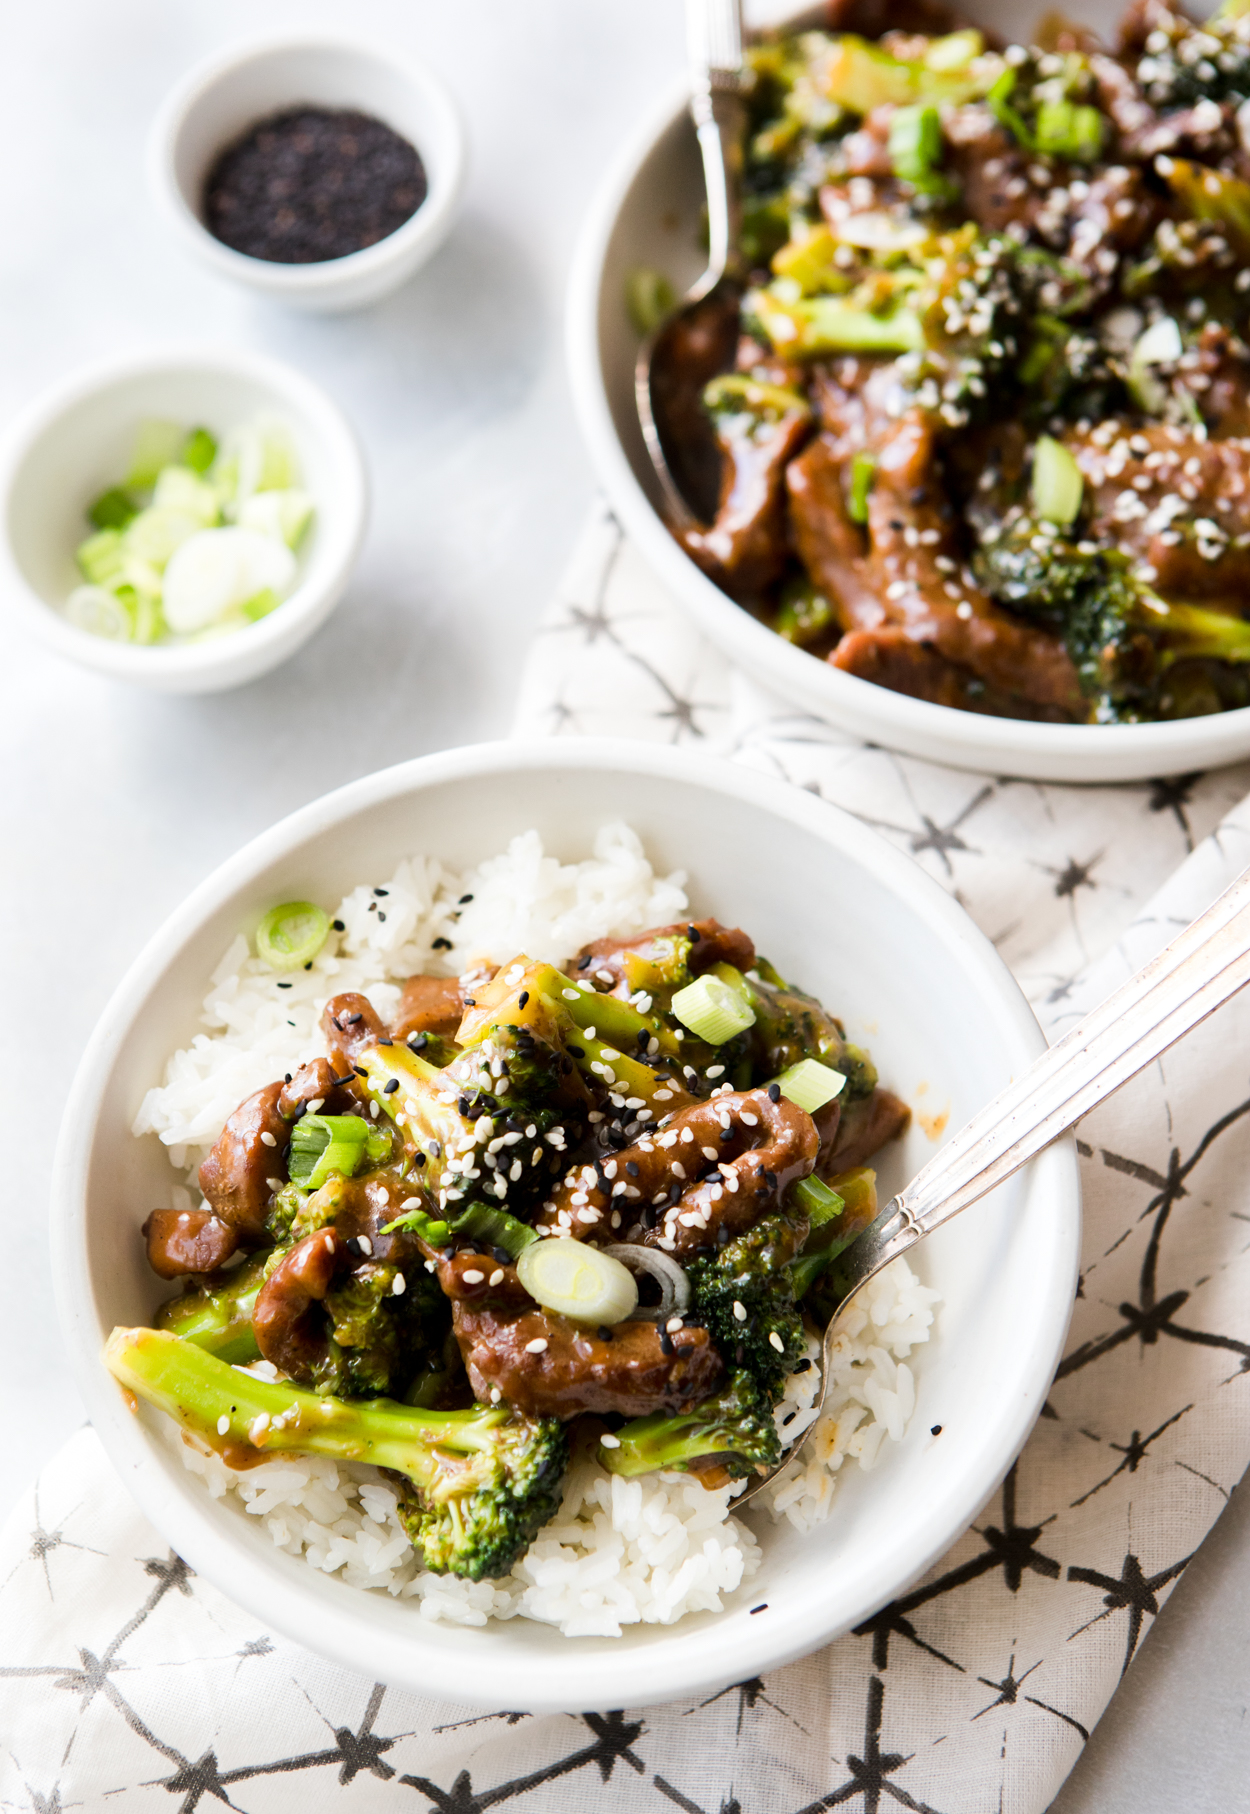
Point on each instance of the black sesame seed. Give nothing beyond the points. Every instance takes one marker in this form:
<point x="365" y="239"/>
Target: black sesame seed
<point x="383" y="892"/>
<point x="308" y="966"/>
<point x="387" y="1088"/>
<point x="727" y="1133"/>
<point x="770" y="1178"/>
<point x="788" y="1418"/>
<point x="604" y="1333"/>
<point x="336" y="1081"/>
<point x="286" y="985"/>
<point x="465" y="899"/>
<point x="353" y="1019"/>
<point x="470" y="1001"/>
<point x="693" y="934"/>
<point x="666" y="1342"/>
<point x="774" y="1092"/>
<point x="936" y="1430"/>
<point x="463" y="1105"/>
<point x="418" y="1160"/>
<point x="384" y="1041"/>
<point x="287" y="1078"/>
<point x="577" y="1051"/>
<point x="762" y="1607"/>
<point x="442" y="944"/>
<point x="650" y="1215"/>
<point x="359" y="1071"/>
<point x="584" y="963"/>
<point x="381" y="915"/>
<point x="631" y="1168"/>
<point x="418" y="1042"/>
<point x="502" y="1255"/>
<point x="523" y="998"/>
<point x="803" y="1365"/>
<point x="338" y="925"/>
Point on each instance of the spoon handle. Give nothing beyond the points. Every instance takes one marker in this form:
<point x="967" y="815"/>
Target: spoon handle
<point x="714" y="47"/>
<point x="1190" y="978"/>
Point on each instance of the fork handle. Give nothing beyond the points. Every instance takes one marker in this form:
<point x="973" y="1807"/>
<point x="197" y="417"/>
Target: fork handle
<point x="714" y="49"/>
<point x="1188" y="980"/>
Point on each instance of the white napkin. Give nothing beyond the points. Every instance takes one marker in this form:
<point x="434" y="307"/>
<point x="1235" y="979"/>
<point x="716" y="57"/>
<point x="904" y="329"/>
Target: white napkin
<point x="124" y="1675"/>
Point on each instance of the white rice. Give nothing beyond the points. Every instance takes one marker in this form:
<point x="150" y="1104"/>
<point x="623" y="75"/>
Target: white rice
<point x="618" y="1552"/>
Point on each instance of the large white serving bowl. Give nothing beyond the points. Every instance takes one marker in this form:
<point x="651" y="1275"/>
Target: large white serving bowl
<point x="646" y="213"/>
<point x="218" y="100"/>
<point x="833" y="905"/>
<point x="77" y="439"/>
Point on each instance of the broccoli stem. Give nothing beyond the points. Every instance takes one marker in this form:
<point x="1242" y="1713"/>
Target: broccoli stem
<point x="220" y="1320"/>
<point x="233" y="1409"/>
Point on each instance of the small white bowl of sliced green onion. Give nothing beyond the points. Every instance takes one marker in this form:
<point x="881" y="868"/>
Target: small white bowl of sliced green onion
<point x="181" y="520"/>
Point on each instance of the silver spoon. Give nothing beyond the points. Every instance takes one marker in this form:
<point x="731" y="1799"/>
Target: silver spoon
<point x="1189" y="979"/>
<point x="710" y="306"/>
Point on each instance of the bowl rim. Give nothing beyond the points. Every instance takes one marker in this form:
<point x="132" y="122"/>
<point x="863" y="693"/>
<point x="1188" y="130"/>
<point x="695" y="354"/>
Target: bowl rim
<point x="342" y="525"/>
<point x="423" y="229"/>
<point x="1091" y="753"/>
<point x="570" y="1678"/>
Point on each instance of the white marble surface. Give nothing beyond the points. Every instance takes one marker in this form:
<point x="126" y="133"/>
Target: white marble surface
<point x="116" y="803"/>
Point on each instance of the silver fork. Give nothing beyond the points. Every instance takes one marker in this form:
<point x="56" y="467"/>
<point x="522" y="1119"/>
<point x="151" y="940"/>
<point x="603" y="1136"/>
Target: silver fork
<point x="714" y="53"/>
<point x="1177" y="989"/>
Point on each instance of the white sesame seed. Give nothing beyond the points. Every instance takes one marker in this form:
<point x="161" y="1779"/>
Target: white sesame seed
<point x="537" y="1346"/>
<point x="777" y="1342"/>
<point x="473" y="1277"/>
<point x="740" y="1312"/>
<point x="571" y="995"/>
<point x="274" y="1183"/>
<point x="330" y="1247"/>
<point x="400" y="1286"/>
<point x="268" y="1139"/>
<point x="259" y="1424"/>
<point x="750" y="1119"/>
<point x="716" y="1070"/>
<point x="495" y="1395"/>
<point x="709" y="1152"/>
<point x="496" y="1277"/>
<point x="674" y="1323"/>
<point x="223" y="1424"/>
<point x="608" y="1441"/>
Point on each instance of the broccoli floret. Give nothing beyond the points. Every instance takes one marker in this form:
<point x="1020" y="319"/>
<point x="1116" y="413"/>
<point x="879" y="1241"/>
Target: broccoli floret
<point x="790" y="1026"/>
<point x="1185" y="62"/>
<point x="736" y="1425"/>
<point x="1137" y="656"/>
<point x="218" y="1316"/>
<point x="479" y="1483"/>
<point x="744" y="1295"/>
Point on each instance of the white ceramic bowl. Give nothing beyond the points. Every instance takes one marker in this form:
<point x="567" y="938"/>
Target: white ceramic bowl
<point x="646" y="213"/>
<point x="77" y="439"/>
<point x="833" y="905"/>
<point x="221" y="97"/>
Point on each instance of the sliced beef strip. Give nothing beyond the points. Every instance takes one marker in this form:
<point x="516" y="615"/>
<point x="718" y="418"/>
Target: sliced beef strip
<point x="832" y="548"/>
<point x="349" y="1024"/>
<point x="710" y="943"/>
<point x="888" y="657"/>
<point x="638" y="1371"/>
<point x="289" y="1330"/>
<point x="238" y="1177"/>
<point x="866" y="1126"/>
<point x="745" y="549"/>
<point x="694" y="1182"/>
<point x="926" y="593"/>
<point x="1177" y="503"/>
<point x="429" y="1004"/>
<point x="183" y="1241"/>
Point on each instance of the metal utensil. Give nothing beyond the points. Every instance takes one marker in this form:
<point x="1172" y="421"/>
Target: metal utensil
<point x="709" y="308"/>
<point x="1189" y="979"/>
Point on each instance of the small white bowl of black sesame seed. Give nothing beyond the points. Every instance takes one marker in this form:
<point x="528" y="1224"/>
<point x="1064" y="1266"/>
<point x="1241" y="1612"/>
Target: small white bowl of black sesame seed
<point x="311" y="168"/>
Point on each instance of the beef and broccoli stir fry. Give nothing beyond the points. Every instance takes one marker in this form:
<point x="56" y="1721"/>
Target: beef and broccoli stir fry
<point x="982" y="426"/>
<point x="538" y="1208"/>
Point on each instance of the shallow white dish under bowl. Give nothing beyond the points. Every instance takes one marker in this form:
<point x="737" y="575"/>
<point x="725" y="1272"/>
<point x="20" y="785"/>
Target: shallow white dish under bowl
<point x="646" y="213"/>
<point x="77" y="440"/>
<point x="835" y="907"/>
<point x="220" y="98"/>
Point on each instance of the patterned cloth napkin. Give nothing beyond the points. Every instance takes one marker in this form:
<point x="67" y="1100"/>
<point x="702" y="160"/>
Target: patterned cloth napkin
<point x="128" y="1680"/>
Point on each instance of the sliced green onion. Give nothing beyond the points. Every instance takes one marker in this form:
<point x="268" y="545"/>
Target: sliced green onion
<point x="157" y="444"/>
<point x="810" y="1084"/>
<point x="712" y="1010"/>
<point x="863" y="474"/>
<point x="578" y="1280"/>
<point x="199" y="450"/>
<point x="915" y="145"/>
<point x="818" y="1203"/>
<point x="649" y="297"/>
<point x="101" y="612"/>
<point x="1066" y="129"/>
<point x="998" y="101"/>
<point x="291" y="935"/>
<point x="496" y="1227"/>
<point x="325" y="1145"/>
<point x="178" y="489"/>
<point x="1057" y="482"/>
<point x="284" y="515"/>
<point x="113" y="509"/>
<point x="101" y="557"/>
<point x="260" y="605"/>
<point x="432" y="1230"/>
<point x="156" y="533"/>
